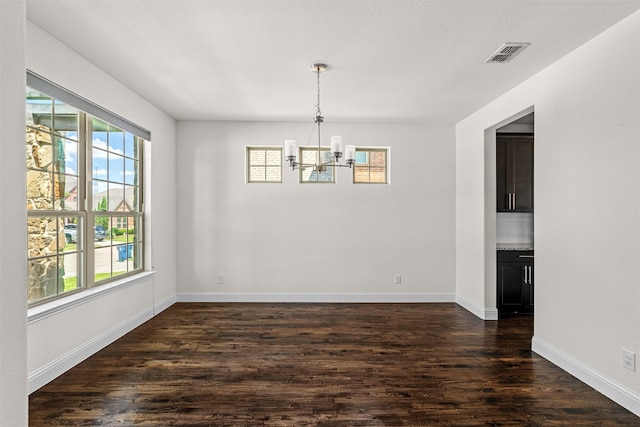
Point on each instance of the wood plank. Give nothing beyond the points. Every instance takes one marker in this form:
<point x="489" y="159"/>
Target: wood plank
<point x="322" y="364"/>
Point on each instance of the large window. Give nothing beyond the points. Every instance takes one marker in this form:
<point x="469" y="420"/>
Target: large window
<point x="84" y="199"/>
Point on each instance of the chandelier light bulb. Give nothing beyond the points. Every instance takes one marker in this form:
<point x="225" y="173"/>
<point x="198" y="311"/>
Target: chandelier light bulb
<point x="350" y="154"/>
<point x="336" y="146"/>
<point x="290" y="149"/>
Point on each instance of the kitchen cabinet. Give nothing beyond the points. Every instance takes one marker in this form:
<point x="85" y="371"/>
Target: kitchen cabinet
<point x="514" y="173"/>
<point x="515" y="282"/>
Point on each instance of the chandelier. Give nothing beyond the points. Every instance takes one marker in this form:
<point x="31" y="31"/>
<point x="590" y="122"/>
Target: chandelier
<point x="291" y="147"/>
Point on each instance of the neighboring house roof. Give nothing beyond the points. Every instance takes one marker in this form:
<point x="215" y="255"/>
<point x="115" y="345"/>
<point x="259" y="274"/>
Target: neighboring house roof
<point x="116" y="197"/>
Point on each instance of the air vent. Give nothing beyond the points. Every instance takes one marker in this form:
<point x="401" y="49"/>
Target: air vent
<point x="506" y="53"/>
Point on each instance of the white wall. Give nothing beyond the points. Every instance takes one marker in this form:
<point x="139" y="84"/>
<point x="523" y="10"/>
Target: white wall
<point x="13" y="237"/>
<point x="315" y="242"/>
<point x="587" y="208"/>
<point x="58" y="341"/>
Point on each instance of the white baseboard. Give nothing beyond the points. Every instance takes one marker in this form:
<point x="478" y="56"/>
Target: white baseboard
<point x="481" y="312"/>
<point x="164" y="304"/>
<point x="314" y="297"/>
<point x="614" y="391"/>
<point x="60" y="365"/>
<point x="490" y="314"/>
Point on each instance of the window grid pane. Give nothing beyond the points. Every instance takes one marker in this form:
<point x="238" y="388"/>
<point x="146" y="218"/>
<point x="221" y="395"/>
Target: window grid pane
<point x="52" y="168"/>
<point x="257" y="174"/>
<point x="116" y="195"/>
<point x="53" y="266"/>
<point x="120" y="252"/>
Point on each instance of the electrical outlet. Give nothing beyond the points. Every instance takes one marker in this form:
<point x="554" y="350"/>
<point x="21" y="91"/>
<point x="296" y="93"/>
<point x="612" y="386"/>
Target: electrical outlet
<point x="397" y="279"/>
<point x="628" y="359"/>
<point x="221" y="279"/>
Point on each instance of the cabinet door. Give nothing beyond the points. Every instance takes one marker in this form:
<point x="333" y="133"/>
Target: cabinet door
<point x="528" y="291"/>
<point x="502" y="197"/>
<point x="514" y="173"/>
<point x="510" y="288"/>
<point x="522" y="174"/>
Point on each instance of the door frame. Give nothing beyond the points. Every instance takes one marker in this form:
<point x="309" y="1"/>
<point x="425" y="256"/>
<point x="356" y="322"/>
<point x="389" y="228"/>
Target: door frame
<point x="490" y="254"/>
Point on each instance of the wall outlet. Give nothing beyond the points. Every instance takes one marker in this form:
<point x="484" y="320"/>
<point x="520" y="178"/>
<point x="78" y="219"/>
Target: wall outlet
<point x="628" y="359"/>
<point x="221" y="279"/>
<point x="397" y="279"/>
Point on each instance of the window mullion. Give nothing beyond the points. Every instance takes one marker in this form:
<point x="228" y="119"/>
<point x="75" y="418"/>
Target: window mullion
<point x="89" y="248"/>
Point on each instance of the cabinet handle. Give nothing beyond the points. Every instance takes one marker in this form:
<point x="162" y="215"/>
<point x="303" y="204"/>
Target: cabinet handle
<point x="530" y="274"/>
<point x="514" y="201"/>
<point x="525" y="275"/>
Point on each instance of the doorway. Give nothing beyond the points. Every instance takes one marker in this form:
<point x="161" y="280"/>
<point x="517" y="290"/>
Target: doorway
<point x="514" y="217"/>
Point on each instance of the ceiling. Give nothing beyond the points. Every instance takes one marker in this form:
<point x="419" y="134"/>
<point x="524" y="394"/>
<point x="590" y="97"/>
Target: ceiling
<point x="391" y="61"/>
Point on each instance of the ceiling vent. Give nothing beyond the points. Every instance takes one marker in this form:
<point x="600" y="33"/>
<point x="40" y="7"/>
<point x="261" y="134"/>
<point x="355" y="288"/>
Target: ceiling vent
<point x="506" y="53"/>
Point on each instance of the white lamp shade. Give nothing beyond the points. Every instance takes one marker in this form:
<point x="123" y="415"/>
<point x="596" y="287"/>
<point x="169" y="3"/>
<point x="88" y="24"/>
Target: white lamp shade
<point x="336" y="144"/>
<point x="349" y="152"/>
<point x="290" y="148"/>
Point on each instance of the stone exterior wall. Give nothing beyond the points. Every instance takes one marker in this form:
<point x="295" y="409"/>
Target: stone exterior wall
<point x="45" y="235"/>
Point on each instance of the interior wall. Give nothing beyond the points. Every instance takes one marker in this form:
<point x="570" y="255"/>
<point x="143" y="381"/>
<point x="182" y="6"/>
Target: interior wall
<point x="13" y="236"/>
<point x="315" y="242"/>
<point x="587" y="124"/>
<point x="57" y="341"/>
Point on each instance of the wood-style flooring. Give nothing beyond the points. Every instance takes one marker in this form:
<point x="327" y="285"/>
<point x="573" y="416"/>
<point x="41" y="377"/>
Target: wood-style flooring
<point x="322" y="365"/>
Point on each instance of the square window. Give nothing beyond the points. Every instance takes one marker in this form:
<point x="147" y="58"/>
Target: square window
<point x="371" y="166"/>
<point x="309" y="173"/>
<point x="264" y="164"/>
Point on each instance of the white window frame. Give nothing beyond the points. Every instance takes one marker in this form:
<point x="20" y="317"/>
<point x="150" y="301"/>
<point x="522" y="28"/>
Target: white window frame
<point x="301" y="171"/>
<point x="84" y="208"/>
<point x="248" y="164"/>
<point x="387" y="168"/>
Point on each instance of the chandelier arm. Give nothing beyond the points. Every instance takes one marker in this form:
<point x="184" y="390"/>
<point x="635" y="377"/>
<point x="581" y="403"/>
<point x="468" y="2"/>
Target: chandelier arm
<point x="296" y="165"/>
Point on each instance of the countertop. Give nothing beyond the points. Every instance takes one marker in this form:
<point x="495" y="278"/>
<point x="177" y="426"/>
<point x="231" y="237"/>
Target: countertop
<point x="514" y="246"/>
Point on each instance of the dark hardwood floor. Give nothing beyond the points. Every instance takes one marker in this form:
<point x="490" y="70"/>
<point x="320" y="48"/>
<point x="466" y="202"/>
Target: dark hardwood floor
<point x="322" y="364"/>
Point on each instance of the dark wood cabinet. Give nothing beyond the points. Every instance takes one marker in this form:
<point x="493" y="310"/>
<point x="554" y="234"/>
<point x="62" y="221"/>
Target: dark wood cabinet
<point x="514" y="173"/>
<point x="515" y="282"/>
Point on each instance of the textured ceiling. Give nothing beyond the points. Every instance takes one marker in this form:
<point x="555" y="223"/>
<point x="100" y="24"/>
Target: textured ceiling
<point x="388" y="60"/>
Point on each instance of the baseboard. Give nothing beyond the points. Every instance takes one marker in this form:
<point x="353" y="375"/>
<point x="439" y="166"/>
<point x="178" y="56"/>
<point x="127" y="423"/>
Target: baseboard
<point x="314" y="297"/>
<point x="60" y="365"/>
<point x="490" y="314"/>
<point x="164" y="304"/>
<point x="481" y="312"/>
<point x="614" y="391"/>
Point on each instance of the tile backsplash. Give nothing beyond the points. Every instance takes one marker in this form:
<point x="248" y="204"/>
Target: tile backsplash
<point x="514" y="227"/>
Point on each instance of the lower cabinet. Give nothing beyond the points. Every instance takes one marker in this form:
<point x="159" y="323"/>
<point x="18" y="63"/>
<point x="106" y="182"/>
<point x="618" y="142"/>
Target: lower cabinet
<point x="515" y="282"/>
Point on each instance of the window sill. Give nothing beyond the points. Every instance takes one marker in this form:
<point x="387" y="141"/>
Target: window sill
<point x="52" y="308"/>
